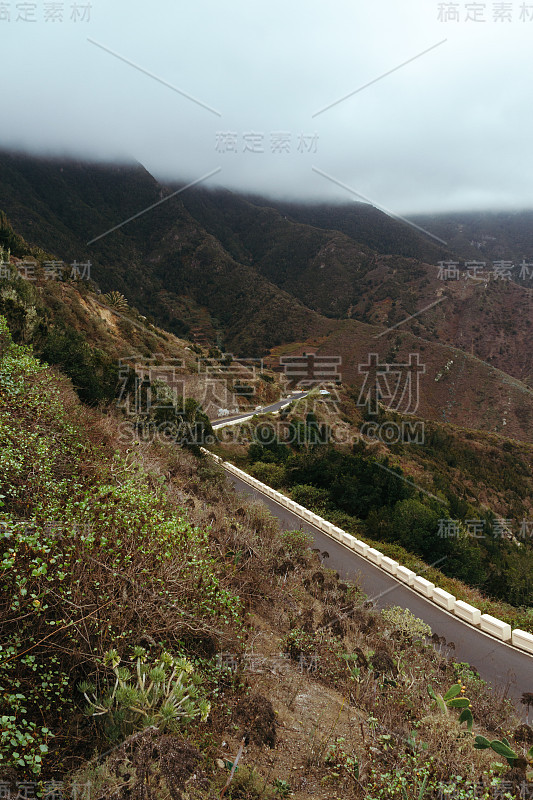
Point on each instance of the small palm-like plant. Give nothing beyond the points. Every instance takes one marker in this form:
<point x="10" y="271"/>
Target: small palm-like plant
<point x="116" y="300"/>
<point x="161" y="694"/>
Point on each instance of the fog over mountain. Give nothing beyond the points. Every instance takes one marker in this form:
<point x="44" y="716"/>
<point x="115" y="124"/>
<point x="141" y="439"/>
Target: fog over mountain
<point x="414" y="107"/>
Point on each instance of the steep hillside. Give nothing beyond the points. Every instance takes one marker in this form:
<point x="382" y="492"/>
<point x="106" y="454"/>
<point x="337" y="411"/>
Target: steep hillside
<point x="158" y="631"/>
<point x="488" y="236"/>
<point x="487" y="318"/>
<point x="219" y="268"/>
<point x="111" y="352"/>
<point x="368" y="226"/>
<point x="453" y="386"/>
<point x="165" y="262"/>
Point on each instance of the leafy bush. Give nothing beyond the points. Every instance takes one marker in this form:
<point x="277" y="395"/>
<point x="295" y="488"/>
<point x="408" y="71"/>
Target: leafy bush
<point x="22" y="742"/>
<point x="247" y="784"/>
<point x="299" y="644"/>
<point x="405" y="623"/>
<point x="271" y="474"/>
<point x="310" y="496"/>
<point x="296" y="543"/>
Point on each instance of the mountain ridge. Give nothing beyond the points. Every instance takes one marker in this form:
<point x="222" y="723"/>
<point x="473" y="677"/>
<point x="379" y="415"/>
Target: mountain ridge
<point x="295" y="283"/>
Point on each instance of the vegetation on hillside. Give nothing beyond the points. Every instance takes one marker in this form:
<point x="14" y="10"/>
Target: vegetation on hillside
<point x="415" y="514"/>
<point x="126" y="573"/>
<point x="92" y="549"/>
<point x="160" y="636"/>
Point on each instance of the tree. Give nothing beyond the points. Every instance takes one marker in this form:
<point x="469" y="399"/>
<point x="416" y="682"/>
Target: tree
<point x="93" y="373"/>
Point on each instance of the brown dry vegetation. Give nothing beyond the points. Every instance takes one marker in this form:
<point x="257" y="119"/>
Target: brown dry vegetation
<point x="326" y="697"/>
<point x="302" y="718"/>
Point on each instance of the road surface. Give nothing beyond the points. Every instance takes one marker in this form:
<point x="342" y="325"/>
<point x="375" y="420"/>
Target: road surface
<point x="498" y="663"/>
<point x="218" y="422"/>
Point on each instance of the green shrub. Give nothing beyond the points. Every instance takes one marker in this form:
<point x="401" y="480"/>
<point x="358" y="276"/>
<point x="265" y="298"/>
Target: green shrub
<point x="310" y="496"/>
<point x="296" y="543"/>
<point x="405" y="623"/>
<point x="271" y="474"/>
<point x="247" y="784"/>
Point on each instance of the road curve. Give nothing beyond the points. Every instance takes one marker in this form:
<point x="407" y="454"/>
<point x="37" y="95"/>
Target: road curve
<point x="500" y="664"/>
<point x="220" y="422"/>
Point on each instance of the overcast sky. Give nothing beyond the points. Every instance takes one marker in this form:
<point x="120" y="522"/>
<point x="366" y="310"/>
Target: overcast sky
<point x="451" y="130"/>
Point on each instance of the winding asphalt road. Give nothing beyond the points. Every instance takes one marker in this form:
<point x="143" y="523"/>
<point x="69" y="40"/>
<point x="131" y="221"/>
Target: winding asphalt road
<point x="498" y="663"/>
<point x="220" y="422"/>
